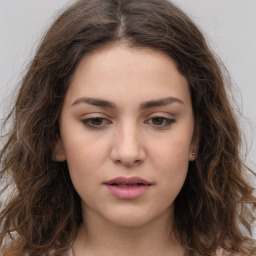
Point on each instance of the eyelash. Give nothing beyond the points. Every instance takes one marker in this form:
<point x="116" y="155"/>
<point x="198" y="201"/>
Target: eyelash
<point x="167" y="121"/>
<point x="89" y="122"/>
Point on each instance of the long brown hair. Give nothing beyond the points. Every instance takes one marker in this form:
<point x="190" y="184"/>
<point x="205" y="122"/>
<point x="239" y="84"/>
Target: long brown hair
<point x="42" y="214"/>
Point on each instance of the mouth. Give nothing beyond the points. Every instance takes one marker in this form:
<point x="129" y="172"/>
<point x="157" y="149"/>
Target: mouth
<point x="127" y="182"/>
<point x="126" y="185"/>
<point x="127" y="188"/>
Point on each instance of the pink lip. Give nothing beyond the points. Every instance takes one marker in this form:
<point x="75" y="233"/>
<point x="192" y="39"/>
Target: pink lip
<point x="137" y="187"/>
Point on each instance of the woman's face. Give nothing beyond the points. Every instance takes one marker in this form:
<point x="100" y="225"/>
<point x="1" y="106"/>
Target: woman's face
<point x="127" y="135"/>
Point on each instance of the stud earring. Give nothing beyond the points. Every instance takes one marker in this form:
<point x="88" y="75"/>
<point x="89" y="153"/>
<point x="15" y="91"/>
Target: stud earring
<point x="193" y="153"/>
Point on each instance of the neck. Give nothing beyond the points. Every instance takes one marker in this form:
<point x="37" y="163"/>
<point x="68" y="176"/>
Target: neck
<point x="99" y="237"/>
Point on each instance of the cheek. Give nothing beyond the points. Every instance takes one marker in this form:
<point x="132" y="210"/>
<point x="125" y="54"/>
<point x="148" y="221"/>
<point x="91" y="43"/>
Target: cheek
<point x="173" y="167"/>
<point x="81" y="147"/>
<point x="173" y="152"/>
<point x="85" y="157"/>
<point x="171" y="162"/>
<point x="84" y="169"/>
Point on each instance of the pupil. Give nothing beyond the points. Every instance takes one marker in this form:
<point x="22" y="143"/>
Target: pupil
<point x="158" y="120"/>
<point x="97" y="121"/>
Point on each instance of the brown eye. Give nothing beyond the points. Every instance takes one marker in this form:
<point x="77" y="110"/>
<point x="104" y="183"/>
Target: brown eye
<point x="96" y="122"/>
<point x="160" y="122"/>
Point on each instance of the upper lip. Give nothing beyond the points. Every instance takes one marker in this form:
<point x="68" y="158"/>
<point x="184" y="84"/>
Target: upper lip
<point x="128" y="181"/>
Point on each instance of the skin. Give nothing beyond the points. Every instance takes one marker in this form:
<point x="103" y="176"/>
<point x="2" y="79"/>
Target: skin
<point x="128" y="139"/>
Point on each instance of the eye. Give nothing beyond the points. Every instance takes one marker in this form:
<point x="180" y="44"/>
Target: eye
<point x="161" y="122"/>
<point x="96" y="122"/>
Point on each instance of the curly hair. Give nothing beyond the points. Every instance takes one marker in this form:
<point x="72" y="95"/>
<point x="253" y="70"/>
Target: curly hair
<point x="42" y="215"/>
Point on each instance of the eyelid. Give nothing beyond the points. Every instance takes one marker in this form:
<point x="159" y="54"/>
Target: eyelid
<point x="92" y="114"/>
<point x="168" y="121"/>
<point x="86" y="122"/>
<point x="88" y="119"/>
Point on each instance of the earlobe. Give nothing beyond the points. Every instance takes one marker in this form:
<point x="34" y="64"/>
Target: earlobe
<point x="58" y="153"/>
<point x="194" y="148"/>
<point x="192" y="155"/>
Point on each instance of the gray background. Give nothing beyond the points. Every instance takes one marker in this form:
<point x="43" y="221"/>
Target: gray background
<point x="229" y="26"/>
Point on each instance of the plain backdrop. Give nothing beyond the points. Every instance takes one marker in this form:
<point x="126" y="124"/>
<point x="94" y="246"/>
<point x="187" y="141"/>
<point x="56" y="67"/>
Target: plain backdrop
<point x="229" y="26"/>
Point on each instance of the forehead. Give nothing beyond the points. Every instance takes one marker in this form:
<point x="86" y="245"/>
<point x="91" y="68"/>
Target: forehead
<point x="121" y="72"/>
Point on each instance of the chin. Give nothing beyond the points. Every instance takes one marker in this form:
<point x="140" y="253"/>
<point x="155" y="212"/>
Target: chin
<point x="130" y="222"/>
<point x="130" y="218"/>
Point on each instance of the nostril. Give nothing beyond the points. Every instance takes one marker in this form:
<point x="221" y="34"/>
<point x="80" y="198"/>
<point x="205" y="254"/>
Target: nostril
<point x="127" y="150"/>
<point x="128" y="163"/>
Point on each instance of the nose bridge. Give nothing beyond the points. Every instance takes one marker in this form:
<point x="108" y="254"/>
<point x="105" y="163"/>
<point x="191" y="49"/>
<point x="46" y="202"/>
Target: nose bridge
<point x="128" y="144"/>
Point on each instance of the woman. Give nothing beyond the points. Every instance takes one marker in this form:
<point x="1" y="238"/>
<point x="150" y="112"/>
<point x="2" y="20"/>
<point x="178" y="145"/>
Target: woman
<point x="122" y="135"/>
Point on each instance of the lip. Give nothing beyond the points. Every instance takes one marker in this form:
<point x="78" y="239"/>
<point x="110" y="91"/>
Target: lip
<point x="127" y="187"/>
<point x="127" y="181"/>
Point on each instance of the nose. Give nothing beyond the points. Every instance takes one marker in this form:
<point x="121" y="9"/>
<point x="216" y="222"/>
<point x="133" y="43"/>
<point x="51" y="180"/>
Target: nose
<point x="128" y="148"/>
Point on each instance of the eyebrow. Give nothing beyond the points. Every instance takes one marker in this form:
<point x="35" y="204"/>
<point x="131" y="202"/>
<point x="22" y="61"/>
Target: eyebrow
<point x="160" y="102"/>
<point x="95" y="102"/>
<point x="143" y="106"/>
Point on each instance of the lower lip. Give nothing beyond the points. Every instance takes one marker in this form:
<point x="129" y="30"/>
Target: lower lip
<point x="127" y="192"/>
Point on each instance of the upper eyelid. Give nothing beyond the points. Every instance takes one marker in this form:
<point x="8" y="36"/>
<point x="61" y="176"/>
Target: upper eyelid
<point x="95" y="115"/>
<point x="161" y="114"/>
<point x="105" y="116"/>
<point x="106" y="122"/>
<point x="146" y="113"/>
<point x="86" y="122"/>
<point x="167" y="122"/>
<point x="165" y="118"/>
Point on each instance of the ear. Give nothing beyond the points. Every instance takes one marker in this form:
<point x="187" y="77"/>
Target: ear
<point x="193" y="153"/>
<point x="58" y="153"/>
